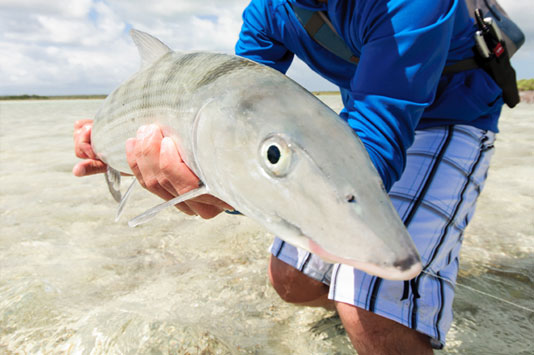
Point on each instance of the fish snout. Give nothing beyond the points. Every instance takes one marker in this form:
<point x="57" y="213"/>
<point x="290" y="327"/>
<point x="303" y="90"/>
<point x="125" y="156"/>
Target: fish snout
<point x="407" y="263"/>
<point x="406" y="269"/>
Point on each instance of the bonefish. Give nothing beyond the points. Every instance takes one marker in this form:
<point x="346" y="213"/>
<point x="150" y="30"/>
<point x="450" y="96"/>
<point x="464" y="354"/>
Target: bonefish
<point x="266" y="146"/>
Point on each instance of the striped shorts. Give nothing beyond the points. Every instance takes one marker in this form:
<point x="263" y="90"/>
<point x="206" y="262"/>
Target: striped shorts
<point x="446" y="168"/>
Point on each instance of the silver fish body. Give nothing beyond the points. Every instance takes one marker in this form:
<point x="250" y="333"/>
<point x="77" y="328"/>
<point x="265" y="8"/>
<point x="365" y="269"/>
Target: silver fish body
<point x="268" y="147"/>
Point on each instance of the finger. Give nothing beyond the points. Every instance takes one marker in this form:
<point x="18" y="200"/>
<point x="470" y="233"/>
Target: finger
<point x="147" y="147"/>
<point x="132" y="161"/>
<point x="185" y="209"/>
<point x="80" y="123"/>
<point x="212" y="200"/>
<point x="82" y="143"/>
<point x="171" y="165"/>
<point x="89" y="167"/>
<point x="140" y="154"/>
<point x="164" y="181"/>
<point x="205" y="211"/>
<point x="84" y="151"/>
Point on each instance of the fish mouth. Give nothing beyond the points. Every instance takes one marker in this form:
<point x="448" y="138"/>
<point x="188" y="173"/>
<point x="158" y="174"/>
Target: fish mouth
<point x="400" y="270"/>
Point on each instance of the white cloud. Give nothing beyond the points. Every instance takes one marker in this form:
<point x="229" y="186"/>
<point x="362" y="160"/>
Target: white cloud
<point x="61" y="47"/>
<point x="83" y="46"/>
<point x="187" y="24"/>
<point x="173" y="10"/>
<point x="74" y="8"/>
<point x="77" y="46"/>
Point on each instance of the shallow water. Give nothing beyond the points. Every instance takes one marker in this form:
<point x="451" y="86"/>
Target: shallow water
<point x="72" y="280"/>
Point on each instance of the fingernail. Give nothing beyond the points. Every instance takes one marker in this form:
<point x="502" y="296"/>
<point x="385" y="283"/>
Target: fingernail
<point x="130" y="145"/>
<point x="78" y="170"/>
<point x="141" y="132"/>
<point x="146" y="130"/>
<point x="166" y="145"/>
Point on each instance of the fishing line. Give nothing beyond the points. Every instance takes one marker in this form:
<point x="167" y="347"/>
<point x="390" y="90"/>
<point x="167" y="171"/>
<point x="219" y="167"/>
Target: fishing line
<point x="484" y="293"/>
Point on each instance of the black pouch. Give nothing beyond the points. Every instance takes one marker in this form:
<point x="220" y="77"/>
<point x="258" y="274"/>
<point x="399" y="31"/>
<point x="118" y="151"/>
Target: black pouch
<point x="492" y="55"/>
<point x="512" y="34"/>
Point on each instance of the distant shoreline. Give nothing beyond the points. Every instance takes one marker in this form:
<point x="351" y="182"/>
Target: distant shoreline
<point x="93" y="97"/>
<point x="317" y="93"/>
<point x="59" y="97"/>
<point x="527" y="96"/>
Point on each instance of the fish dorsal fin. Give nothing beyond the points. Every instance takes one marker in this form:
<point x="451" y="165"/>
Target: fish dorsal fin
<point x="150" y="48"/>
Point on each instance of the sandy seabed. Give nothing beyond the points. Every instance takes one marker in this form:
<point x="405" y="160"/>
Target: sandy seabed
<point x="73" y="281"/>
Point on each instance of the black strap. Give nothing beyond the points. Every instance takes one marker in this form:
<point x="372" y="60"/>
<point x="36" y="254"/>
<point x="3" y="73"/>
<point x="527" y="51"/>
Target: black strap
<point x="466" y="64"/>
<point x="319" y="27"/>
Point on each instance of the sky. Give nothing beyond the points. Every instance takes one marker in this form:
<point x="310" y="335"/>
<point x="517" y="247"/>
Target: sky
<point x="71" y="47"/>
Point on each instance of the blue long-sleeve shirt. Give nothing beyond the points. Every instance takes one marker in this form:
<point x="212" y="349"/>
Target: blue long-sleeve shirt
<point x="398" y="85"/>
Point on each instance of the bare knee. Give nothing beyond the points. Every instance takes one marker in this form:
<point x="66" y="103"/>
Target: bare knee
<point x="295" y="287"/>
<point x="373" y="334"/>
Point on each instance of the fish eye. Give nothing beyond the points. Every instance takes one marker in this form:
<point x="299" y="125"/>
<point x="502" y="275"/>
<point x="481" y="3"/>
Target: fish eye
<point x="273" y="154"/>
<point x="276" y="156"/>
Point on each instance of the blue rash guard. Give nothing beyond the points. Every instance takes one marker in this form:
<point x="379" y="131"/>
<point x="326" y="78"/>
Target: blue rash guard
<point x="398" y="85"/>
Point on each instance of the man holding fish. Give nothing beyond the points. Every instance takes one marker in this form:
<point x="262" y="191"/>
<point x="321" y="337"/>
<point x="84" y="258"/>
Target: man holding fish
<point x="427" y="126"/>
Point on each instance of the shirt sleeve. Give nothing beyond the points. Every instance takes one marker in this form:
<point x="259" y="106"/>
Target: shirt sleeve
<point x="404" y="47"/>
<point x="255" y="44"/>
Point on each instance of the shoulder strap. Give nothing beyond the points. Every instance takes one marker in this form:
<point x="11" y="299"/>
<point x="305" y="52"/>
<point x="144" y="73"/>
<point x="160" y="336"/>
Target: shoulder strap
<point x="319" y="27"/>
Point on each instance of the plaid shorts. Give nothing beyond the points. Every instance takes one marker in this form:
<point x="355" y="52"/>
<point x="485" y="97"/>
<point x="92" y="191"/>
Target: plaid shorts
<point x="446" y="168"/>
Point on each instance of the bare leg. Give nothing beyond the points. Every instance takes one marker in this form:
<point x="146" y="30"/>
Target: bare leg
<point x="295" y="287"/>
<point x="368" y="332"/>
<point x="373" y="334"/>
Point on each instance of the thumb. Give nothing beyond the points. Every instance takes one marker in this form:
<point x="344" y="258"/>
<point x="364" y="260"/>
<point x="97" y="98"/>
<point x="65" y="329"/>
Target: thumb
<point x="89" y="167"/>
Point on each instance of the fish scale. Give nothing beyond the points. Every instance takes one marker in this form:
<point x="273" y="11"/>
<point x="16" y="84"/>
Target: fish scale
<point x="151" y="93"/>
<point x="266" y="146"/>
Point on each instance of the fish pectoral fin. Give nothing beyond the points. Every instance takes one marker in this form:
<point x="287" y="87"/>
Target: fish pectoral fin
<point x="150" y="48"/>
<point x="149" y="214"/>
<point x="124" y="199"/>
<point x="113" y="180"/>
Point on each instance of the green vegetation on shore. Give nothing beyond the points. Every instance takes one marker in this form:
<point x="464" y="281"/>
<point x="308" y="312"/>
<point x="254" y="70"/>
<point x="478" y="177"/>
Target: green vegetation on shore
<point x="62" y="97"/>
<point x="525" y="84"/>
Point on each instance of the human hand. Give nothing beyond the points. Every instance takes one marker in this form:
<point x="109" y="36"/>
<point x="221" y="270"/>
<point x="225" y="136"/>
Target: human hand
<point x="158" y="166"/>
<point x="82" y="148"/>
